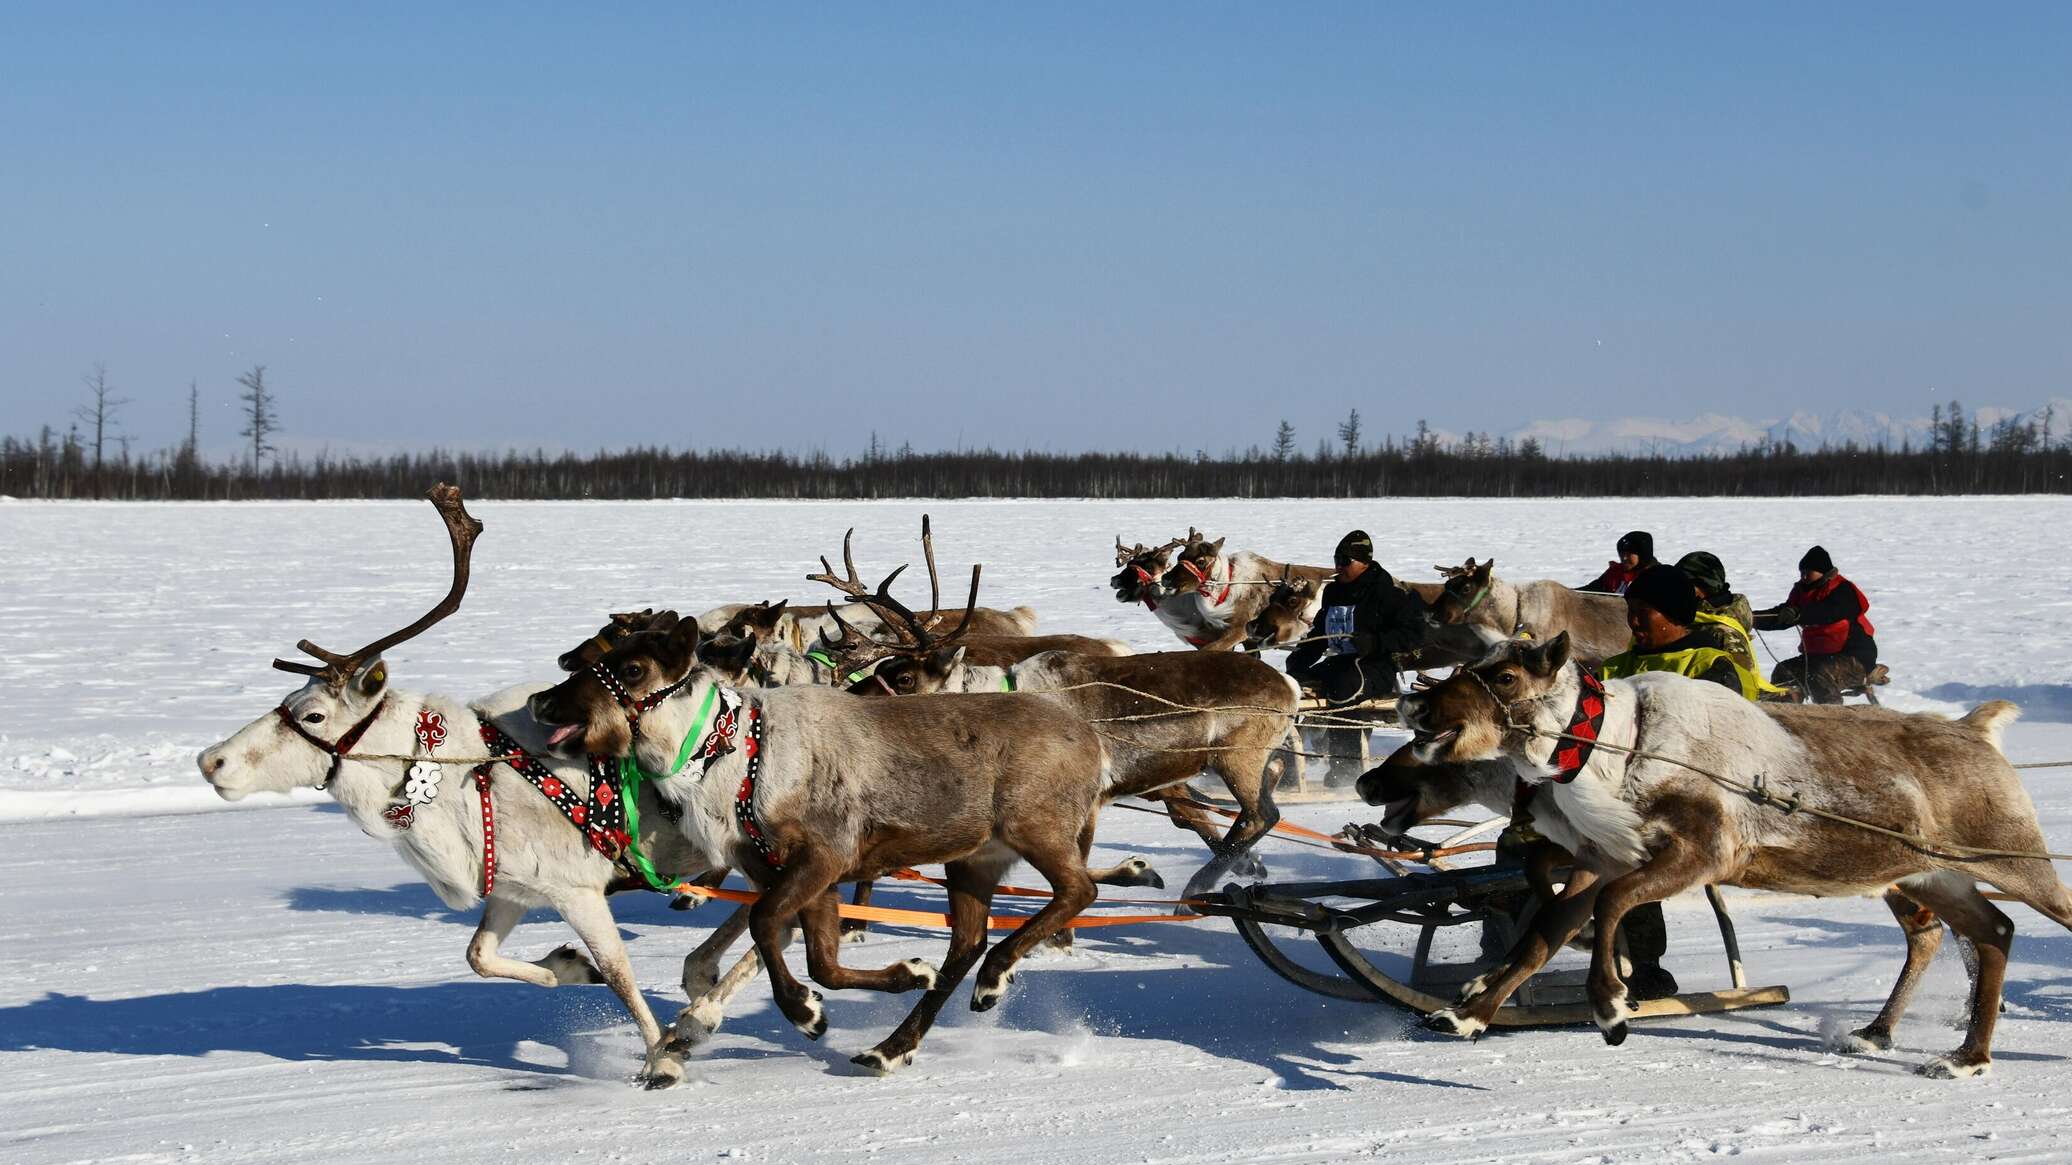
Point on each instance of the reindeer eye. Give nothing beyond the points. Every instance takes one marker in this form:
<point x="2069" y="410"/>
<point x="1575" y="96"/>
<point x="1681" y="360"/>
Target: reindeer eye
<point x="1505" y="679"/>
<point x="630" y="672"/>
<point x="312" y="717"/>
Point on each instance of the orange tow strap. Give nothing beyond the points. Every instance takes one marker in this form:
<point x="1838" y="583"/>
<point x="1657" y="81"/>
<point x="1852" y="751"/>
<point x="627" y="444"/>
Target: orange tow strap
<point x="932" y="918"/>
<point x="1290" y="829"/>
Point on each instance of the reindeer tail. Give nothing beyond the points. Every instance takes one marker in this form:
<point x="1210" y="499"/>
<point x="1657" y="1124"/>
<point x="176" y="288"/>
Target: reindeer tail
<point x="1991" y="719"/>
<point x="1027" y="618"/>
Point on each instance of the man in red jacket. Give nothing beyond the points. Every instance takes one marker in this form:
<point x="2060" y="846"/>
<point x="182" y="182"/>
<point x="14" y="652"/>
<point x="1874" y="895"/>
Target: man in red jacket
<point x="1636" y="553"/>
<point x="1836" y="646"/>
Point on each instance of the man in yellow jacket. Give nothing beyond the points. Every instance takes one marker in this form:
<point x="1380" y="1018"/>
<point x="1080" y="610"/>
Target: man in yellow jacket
<point x="1672" y="633"/>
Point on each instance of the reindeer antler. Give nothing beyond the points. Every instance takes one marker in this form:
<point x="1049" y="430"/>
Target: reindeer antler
<point x="851" y="586"/>
<point x="461" y="529"/>
<point x="934" y="581"/>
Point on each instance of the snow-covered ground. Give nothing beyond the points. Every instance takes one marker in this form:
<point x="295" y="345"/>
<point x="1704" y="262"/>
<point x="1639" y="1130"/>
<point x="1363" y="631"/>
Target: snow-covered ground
<point x="183" y="984"/>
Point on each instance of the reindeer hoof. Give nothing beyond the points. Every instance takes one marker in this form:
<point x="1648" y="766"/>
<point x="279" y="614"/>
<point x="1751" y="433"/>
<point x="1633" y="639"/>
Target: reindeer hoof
<point x="923" y="972"/>
<point x="1862" y="1040"/>
<point x="854" y="931"/>
<point x="985" y="997"/>
<point x="1612" y="1016"/>
<point x="664" y="1073"/>
<point x="1451" y="1023"/>
<point x="706" y="1015"/>
<point x="570" y="968"/>
<point x="1951" y="1068"/>
<point x="1249" y="867"/>
<point x="881" y="1064"/>
<point x="815" y="1024"/>
<point x="685" y="902"/>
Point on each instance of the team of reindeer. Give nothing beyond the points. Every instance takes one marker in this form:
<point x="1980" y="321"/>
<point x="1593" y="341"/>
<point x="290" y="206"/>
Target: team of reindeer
<point x="764" y="752"/>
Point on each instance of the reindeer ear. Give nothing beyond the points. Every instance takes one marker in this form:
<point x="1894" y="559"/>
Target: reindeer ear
<point x="945" y="660"/>
<point x="1217" y="545"/>
<point x="1483" y="571"/>
<point x="683" y="638"/>
<point x="726" y="653"/>
<point x="1547" y="658"/>
<point x="372" y="678"/>
<point x="662" y="621"/>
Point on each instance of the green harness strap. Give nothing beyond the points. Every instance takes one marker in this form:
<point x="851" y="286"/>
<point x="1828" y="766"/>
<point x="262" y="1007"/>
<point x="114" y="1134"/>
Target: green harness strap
<point x="820" y="657"/>
<point x="631" y="774"/>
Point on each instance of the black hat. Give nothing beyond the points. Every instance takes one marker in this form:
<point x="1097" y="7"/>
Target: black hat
<point x="1638" y="542"/>
<point x="1354" y="547"/>
<point x="1706" y="570"/>
<point x="1668" y="590"/>
<point x="1817" y="559"/>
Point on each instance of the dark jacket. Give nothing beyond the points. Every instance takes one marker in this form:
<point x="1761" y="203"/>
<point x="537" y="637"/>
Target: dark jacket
<point x="1385" y="619"/>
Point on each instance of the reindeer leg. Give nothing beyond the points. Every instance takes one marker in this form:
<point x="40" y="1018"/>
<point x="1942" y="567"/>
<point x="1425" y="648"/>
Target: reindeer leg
<point x="709" y="993"/>
<point x="971" y="885"/>
<point x="1132" y="872"/>
<point x="1244" y="774"/>
<point x="1553" y="925"/>
<point x="1060" y="863"/>
<point x="560" y="968"/>
<point x="853" y="928"/>
<point x="594" y="924"/>
<point x="824" y="954"/>
<point x="1953" y="895"/>
<point x="1681" y="863"/>
<point x="772" y="919"/>
<point x="1186" y="815"/>
<point x="1924" y="935"/>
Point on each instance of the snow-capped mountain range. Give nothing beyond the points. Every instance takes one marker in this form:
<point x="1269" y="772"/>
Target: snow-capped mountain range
<point x="1720" y="433"/>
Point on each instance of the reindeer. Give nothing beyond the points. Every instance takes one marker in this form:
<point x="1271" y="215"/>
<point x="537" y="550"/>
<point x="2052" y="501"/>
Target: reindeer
<point x="1473" y="597"/>
<point x="802" y="788"/>
<point x="1209" y="600"/>
<point x="440" y="821"/>
<point x="802" y="624"/>
<point x="1147" y="757"/>
<point x="1654" y="814"/>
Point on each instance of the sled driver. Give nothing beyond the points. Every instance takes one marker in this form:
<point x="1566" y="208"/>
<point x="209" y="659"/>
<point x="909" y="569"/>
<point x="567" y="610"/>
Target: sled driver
<point x="1349" y="654"/>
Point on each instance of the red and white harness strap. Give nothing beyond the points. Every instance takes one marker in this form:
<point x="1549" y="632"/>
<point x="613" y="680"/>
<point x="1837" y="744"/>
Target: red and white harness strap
<point x="1585" y="724"/>
<point x="744" y="798"/>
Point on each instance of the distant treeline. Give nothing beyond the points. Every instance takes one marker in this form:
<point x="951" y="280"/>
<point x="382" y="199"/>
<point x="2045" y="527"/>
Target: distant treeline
<point x="2009" y="458"/>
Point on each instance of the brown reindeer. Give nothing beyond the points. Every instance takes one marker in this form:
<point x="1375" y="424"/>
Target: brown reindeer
<point x="1684" y="789"/>
<point x="804" y="788"/>
<point x="1473" y="597"/>
<point x="1137" y="704"/>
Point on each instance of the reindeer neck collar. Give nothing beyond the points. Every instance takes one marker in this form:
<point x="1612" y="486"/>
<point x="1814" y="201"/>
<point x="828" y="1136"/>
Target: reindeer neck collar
<point x="1585" y="724"/>
<point x="1206" y="580"/>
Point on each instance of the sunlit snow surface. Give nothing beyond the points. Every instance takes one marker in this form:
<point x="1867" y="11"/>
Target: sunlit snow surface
<point x="186" y="985"/>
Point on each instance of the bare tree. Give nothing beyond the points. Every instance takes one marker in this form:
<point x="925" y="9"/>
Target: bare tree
<point x="1349" y="434"/>
<point x="260" y="420"/>
<point x="99" y="412"/>
<point x="1284" y="441"/>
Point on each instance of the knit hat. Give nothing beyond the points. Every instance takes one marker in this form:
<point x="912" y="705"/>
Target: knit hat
<point x="1668" y="590"/>
<point x="1706" y="570"/>
<point x="1817" y="559"/>
<point x="1638" y="542"/>
<point x="1354" y="547"/>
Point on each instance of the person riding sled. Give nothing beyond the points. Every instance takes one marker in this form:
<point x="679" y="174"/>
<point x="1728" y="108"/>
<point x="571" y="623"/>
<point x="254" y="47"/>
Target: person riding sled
<point x="1838" y="651"/>
<point x="1715" y="595"/>
<point x="1673" y="632"/>
<point x="1349" y="655"/>
<point x="1636" y="550"/>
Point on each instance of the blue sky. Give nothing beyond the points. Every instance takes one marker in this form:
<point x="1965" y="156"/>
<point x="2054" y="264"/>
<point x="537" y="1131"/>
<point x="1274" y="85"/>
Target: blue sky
<point x="1027" y="226"/>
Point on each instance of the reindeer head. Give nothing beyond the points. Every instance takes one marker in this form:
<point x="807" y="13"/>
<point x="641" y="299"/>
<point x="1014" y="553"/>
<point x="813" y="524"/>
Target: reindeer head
<point x="1196" y="563"/>
<point x="301" y="742"/>
<point x="1411" y="791"/>
<point x="596" y="711"/>
<point x="1469" y="715"/>
<point x="916" y="637"/>
<point x="1142" y="566"/>
<point x="1467" y="588"/>
<point x="613" y="633"/>
<point x="917" y="672"/>
<point x="1282" y="621"/>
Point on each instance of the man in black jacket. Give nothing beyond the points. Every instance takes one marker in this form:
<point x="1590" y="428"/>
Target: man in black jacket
<point x="1364" y="622"/>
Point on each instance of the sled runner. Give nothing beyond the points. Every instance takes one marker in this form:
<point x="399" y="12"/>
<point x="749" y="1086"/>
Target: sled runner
<point x="1388" y="940"/>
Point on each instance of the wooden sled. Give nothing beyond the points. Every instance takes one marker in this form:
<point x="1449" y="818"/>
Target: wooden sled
<point x="1270" y="917"/>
